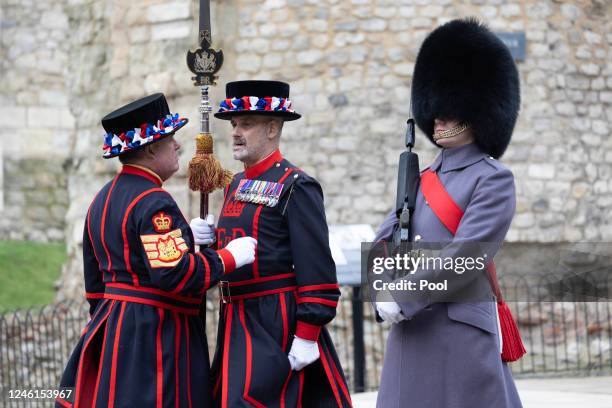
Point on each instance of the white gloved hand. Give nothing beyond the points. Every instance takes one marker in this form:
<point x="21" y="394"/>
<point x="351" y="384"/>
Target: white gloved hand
<point x="390" y="312"/>
<point x="243" y="250"/>
<point x="302" y="353"/>
<point x="203" y="230"/>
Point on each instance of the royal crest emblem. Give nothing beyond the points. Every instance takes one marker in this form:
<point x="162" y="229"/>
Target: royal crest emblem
<point x="162" y="222"/>
<point x="164" y="250"/>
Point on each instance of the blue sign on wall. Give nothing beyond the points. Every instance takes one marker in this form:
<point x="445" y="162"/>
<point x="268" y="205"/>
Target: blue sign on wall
<point x="515" y="42"/>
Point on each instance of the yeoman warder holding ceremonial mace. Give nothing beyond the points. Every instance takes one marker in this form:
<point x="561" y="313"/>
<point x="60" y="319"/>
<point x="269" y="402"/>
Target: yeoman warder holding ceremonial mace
<point x="273" y="348"/>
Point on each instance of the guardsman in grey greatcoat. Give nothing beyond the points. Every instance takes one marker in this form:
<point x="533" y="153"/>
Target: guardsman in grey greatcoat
<point x="465" y="96"/>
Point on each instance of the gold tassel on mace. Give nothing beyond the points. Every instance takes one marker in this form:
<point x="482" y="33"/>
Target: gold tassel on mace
<point x="205" y="171"/>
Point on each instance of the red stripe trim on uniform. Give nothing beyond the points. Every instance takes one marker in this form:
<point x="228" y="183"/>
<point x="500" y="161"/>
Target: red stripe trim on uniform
<point x="143" y="172"/>
<point x="159" y="378"/>
<point x="63" y="402"/>
<point x="94" y="295"/>
<point x="229" y="263"/>
<point x="264" y="279"/>
<point x="249" y="359"/>
<point x="95" y="396"/>
<point x="188" y="362"/>
<point x="187" y="276"/>
<point x="261" y="293"/>
<point x="283" y="305"/>
<point x="150" y="302"/>
<point x="323" y="286"/>
<point x="81" y="359"/>
<point x="88" y="223"/>
<point x="282" y="398"/>
<point x="216" y="387"/>
<point x="300" y="389"/>
<point x="339" y="379"/>
<point x="126" y="244"/>
<point x="113" y="374"/>
<point x="206" y="272"/>
<point x="102" y="227"/>
<point x="326" y="302"/>
<point x="226" y="346"/>
<point x="177" y="349"/>
<point x="255" y="234"/>
<point x="287" y="173"/>
<point x="330" y="377"/>
<point x="154" y="291"/>
<point x="307" y="331"/>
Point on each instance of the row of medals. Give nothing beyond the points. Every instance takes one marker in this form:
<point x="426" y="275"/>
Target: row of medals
<point x="259" y="192"/>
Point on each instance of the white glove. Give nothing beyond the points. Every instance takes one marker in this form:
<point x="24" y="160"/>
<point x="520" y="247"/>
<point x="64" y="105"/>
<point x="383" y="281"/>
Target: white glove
<point x="302" y="353"/>
<point x="203" y="230"/>
<point x="390" y="312"/>
<point x="243" y="250"/>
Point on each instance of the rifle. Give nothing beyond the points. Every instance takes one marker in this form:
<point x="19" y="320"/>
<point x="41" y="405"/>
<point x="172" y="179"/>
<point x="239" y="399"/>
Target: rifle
<point x="408" y="179"/>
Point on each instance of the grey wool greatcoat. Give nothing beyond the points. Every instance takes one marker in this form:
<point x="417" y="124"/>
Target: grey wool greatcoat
<point x="448" y="354"/>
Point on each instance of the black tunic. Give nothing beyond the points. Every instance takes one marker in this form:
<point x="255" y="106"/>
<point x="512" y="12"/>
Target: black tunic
<point x="291" y="288"/>
<point x="144" y="345"/>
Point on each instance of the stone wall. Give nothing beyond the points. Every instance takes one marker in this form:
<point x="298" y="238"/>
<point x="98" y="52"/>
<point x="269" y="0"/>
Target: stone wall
<point x="350" y="66"/>
<point x="349" y="63"/>
<point x="36" y="119"/>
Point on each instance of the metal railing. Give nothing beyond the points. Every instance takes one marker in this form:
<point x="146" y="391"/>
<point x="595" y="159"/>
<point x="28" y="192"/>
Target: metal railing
<point x="561" y="338"/>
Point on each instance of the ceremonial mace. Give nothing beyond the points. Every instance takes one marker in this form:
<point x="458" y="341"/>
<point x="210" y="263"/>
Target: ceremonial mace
<point x="205" y="171"/>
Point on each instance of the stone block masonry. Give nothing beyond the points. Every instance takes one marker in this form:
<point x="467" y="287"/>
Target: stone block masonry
<point x="349" y="63"/>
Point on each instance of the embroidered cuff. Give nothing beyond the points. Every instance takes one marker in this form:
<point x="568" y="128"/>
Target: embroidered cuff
<point x="229" y="263"/>
<point x="307" y="331"/>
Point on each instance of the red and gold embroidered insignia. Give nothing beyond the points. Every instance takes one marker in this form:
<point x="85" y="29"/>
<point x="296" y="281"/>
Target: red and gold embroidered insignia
<point x="164" y="251"/>
<point x="233" y="208"/>
<point x="162" y="222"/>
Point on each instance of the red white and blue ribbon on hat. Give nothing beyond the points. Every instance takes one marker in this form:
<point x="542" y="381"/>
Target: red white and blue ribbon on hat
<point x="255" y="103"/>
<point x="146" y="133"/>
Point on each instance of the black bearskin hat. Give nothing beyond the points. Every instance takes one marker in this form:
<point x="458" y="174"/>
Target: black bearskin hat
<point x="464" y="72"/>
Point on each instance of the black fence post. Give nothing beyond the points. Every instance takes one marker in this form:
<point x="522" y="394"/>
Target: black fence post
<point x="358" y="341"/>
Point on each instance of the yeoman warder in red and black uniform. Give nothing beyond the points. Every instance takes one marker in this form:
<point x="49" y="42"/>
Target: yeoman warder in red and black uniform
<point x="144" y="345"/>
<point x="272" y="346"/>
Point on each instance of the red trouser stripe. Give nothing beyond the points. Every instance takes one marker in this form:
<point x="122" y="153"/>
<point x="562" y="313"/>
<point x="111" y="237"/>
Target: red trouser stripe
<point x="160" y="367"/>
<point x="282" y="398"/>
<point x="340" y="380"/>
<point x="249" y="359"/>
<point x="301" y="389"/>
<point x="113" y="375"/>
<point x="177" y="349"/>
<point x="226" y="346"/>
<point x="77" y="393"/>
<point x="188" y="361"/>
<point x="95" y="396"/>
<point x="330" y="376"/>
<point x="283" y="305"/>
